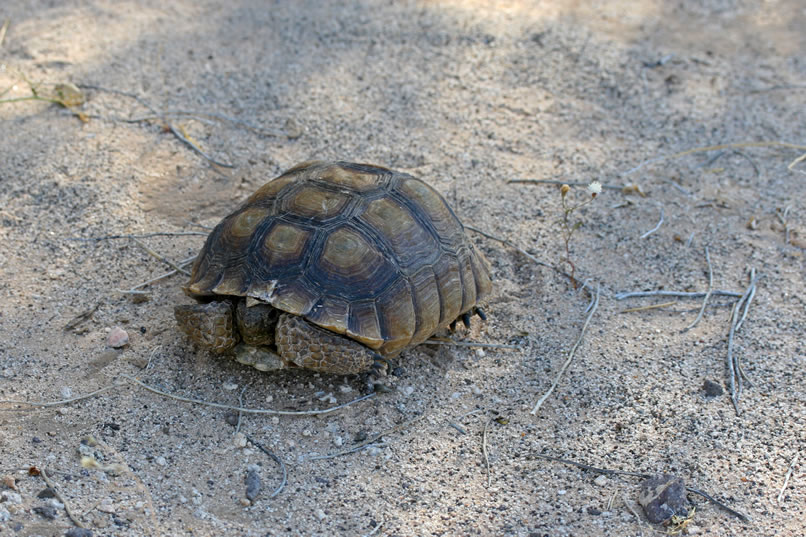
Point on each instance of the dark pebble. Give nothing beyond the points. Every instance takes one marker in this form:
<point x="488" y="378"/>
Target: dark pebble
<point x="253" y="484"/>
<point x="360" y="436"/>
<point x="712" y="389"/>
<point x="46" y="493"/>
<point x="663" y="496"/>
<point x="399" y="371"/>
<point x="46" y="511"/>
<point x="231" y="418"/>
<point x="36" y="440"/>
<point x="17" y="526"/>
<point x="78" y="532"/>
<point x="593" y="511"/>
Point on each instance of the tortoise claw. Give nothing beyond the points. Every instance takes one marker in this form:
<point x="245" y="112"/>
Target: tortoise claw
<point x="466" y="319"/>
<point x="480" y="313"/>
<point x="453" y="326"/>
<point x="379" y="365"/>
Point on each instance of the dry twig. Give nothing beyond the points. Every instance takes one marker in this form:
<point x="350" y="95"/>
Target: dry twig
<point x="246" y="410"/>
<point x="162" y="258"/>
<point x="594" y="304"/>
<point x="276" y="459"/>
<point x="649" y="307"/>
<point x="484" y="451"/>
<point x="681" y="294"/>
<point x="707" y="294"/>
<point x="654" y="229"/>
<point x="61" y="498"/>
<point x="734" y="367"/>
<point x="788" y="475"/>
<point x="3" y="31"/>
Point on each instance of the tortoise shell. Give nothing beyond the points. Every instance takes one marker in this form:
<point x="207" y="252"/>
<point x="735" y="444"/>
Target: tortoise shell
<point x="360" y="250"/>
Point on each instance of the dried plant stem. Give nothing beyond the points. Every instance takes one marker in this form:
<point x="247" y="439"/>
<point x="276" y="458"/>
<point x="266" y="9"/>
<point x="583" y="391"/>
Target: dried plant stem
<point x="654" y="229"/>
<point x="138" y="236"/>
<point x="734" y="367"/>
<point x="470" y="344"/>
<point x="788" y="475"/>
<point x="649" y="307"/>
<point x="246" y="410"/>
<point x="61" y="402"/>
<point x="593" y="306"/>
<point x="680" y="294"/>
<point x="484" y="451"/>
<point x="276" y="459"/>
<point x="560" y="183"/>
<point x="58" y="495"/>
<point x="707" y="294"/>
<point x="162" y="258"/>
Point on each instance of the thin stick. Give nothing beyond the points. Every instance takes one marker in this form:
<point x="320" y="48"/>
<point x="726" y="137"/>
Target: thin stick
<point x="186" y="139"/>
<point x="240" y="412"/>
<point x="654" y="229"/>
<point x="61" y="498"/>
<point x="795" y="162"/>
<point x="560" y="183"/>
<point x="3" y="31"/>
<point x="707" y="294"/>
<point x="61" y="402"/>
<point x="595" y="302"/>
<point x="713" y="148"/>
<point x="708" y="497"/>
<point x="160" y="277"/>
<point x="681" y="294"/>
<point x="470" y="344"/>
<point x="788" y="475"/>
<point x="162" y="258"/>
<point x="138" y="236"/>
<point x="649" y="307"/>
<point x="277" y="459"/>
<point x="734" y="368"/>
<point x="484" y="451"/>
<point x="246" y="410"/>
<point x="368" y="441"/>
<point x="782" y="215"/>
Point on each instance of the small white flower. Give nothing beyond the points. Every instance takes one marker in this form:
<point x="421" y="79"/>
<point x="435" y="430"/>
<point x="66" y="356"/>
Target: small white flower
<point x="595" y="188"/>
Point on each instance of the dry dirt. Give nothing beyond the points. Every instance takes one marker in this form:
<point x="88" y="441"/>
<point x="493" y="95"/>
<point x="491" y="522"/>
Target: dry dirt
<point x="467" y="95"/>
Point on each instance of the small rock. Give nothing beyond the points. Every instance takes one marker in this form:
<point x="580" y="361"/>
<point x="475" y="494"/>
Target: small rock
<point x="602" y="481"/>
<point x="106" y="506"/>
<point x="373" y="451"/>
<point x="345" y="388"/>
<point x="338" y="441"/>
<point x="4" y="514"/>
<point x="46" y="511"/>
<point x="594" y="511"/>
<point x="663" y="496"/>
<point x="161" y="461"/>
<point x="320" y="514"/>
<point x="231" y="418"/>
<point x="46" y="493"/>
<point x="691" y="529"/>
<point x="10" y="482"/>
<point x="246" y="502"/>
<point x="712" y="389"/>
<point x="66" y="392"/>
<point x="229" y="386"/>
<point x="239" y="440"/>
<point x="117" y="338"/>
<point x="10" y="497"/>
<point x="253" y="484"/>
<point x="408" y="390"/>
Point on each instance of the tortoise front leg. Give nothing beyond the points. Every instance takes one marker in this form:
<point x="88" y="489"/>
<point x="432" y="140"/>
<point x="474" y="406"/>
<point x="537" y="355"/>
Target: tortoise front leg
<point x="311" y="347"/>
<point x="209" y="325"/>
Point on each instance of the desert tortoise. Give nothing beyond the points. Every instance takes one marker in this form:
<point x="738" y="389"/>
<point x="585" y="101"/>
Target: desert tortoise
<point x="333" y="266"/>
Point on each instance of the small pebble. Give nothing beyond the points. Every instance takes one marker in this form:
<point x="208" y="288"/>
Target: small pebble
<point x="663" y="496"/>
<point x="10" y="497"/>
<point x="117" y="338"/>
<point x="712" y="389"/>
<point x="239" y="440"/>
<point x="594" y="511"/>
<point x="601" y="481"/>
<point x="246" y="502"/>
<point x="4" y="514"/>
<point x="66" y="392"/>
<point x="480" y="353"/>
<point x="373" y="451"/>
<point x="161" y="461"/>
<point x="46" y="511"/>
<point x="106" y="506"/>
<point x="253" y="484"/>
<point x="345" y="388"/>
<point x="320" y="514"/>
<point x="408" y="390"/>
<point x="232" y="418"/>
<point x="338" y="441"/>
<point x="229" y="386"/>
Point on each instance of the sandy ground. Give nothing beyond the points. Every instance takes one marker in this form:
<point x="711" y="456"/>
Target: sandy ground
<point x="467" y="95"/>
